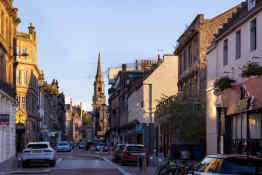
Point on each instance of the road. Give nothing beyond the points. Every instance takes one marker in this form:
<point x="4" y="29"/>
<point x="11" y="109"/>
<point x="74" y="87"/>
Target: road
<point x="79" y="163"/>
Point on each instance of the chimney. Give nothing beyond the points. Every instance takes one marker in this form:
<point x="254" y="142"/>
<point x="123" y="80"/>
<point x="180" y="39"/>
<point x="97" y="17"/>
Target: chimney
<point x="32" y="32"/>
<point x="124" y="67"/>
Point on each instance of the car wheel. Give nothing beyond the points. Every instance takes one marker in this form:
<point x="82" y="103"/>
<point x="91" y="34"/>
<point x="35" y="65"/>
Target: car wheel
<point x="53" y="163"/>
<point x="24" y="165"/>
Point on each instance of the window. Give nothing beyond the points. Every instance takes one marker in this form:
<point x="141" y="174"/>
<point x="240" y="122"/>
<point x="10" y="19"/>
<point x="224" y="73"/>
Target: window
<point x="17" y="51"/>
<point x="238" y="44"/>
<point x="251" y="4"/>
<point x="99" y="89"/>
<point x="24" y="102"/>
<point x="255" y="126"/>
<point x="253" y="35"/>
<point x="18" y="101"/>
<point x="24" y="77"/>
<point x="18" y="76"/>
<point x="225" y="53"/>
<point x="185" y="60"/>
<point x="180" y="64"/>
<point x="190" y="54"/>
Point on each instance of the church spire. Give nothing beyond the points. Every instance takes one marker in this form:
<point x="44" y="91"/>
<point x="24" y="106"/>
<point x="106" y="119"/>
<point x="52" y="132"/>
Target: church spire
<point x="99" y="74"/>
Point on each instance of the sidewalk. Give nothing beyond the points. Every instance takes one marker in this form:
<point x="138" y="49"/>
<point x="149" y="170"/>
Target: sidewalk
<point x="9" y="165"/>
<point x="130" y="170"/>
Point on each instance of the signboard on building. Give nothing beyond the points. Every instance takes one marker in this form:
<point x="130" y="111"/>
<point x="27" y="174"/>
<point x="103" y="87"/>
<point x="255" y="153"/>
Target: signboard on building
<point x="139" y="128"/>
<point x="4" y="119"/>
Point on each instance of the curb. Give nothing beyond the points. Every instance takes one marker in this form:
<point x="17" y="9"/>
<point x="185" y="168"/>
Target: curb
<point x="31" y="172"/>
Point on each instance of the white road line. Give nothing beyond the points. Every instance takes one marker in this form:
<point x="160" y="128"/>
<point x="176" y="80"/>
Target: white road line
<point x="59" y="160"/>
<point x="117" y="167"/>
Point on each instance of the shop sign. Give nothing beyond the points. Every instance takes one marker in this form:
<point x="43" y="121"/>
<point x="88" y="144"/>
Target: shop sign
<point x="246" y="101"/>
<point x="139" y="128"/>
<point x="4" y="119"/>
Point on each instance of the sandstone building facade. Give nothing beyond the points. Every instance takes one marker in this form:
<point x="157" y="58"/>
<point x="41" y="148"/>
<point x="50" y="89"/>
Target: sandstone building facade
<point x="27" y="86"/>
<point x="8" y="29"/>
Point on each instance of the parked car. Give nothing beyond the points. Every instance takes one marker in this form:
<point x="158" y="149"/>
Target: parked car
<point x="82" y="145"/>
<point x="100" y="146"/>
<point x="105" y="148"/>
<point x="38" y="152"/>
<point x="229" y="164"/>
<point x="63" y="146"/>
<point x="132" y="152"/>
<point x="117" y="152"/>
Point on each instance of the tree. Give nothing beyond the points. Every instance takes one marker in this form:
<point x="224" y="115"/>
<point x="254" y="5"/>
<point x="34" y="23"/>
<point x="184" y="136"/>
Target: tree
<point x="184" y="118"/>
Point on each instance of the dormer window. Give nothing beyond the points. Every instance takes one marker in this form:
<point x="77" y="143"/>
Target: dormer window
<point x="251" y="4"/>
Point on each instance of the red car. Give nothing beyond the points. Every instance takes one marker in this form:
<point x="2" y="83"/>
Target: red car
<point x="132" y="152"/>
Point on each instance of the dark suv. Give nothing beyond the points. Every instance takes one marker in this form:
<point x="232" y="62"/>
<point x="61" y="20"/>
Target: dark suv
<point x="230" y="164"/>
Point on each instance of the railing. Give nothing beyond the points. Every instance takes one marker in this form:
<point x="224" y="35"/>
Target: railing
<point x="7" y="89"/>
<point x="252" y="146"/>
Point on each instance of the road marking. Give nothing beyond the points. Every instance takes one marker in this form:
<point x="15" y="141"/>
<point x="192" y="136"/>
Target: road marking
<point x="117" y="167"/>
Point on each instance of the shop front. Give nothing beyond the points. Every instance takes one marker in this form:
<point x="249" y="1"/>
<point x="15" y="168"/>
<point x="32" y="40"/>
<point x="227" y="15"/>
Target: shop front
<point x="239" y="119"/>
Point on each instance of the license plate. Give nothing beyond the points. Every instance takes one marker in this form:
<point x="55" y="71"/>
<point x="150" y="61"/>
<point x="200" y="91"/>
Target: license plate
<point x="37" y="151"/>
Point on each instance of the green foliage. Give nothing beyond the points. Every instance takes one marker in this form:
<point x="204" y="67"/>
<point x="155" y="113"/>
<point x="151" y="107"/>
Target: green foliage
<point x="183" y="118"/>
<point x="251" y="69"/>
<point x="223" y="83"/>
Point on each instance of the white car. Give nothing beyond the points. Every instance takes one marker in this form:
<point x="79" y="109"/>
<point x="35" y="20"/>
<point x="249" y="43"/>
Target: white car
<point x="63" y="146"/>
<point x="38" y="152"/>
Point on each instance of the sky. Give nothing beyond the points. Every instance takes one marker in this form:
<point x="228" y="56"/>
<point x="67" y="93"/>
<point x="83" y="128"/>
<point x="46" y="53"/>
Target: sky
<point x="71" y="33"/>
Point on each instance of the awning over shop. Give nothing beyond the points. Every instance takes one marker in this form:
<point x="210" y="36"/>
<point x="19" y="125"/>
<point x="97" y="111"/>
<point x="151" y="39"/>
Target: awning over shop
<point x="243" y="97"/>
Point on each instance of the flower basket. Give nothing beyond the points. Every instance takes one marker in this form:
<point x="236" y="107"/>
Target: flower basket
<point x="223" y="83"/>
<point x="251" y="69"/>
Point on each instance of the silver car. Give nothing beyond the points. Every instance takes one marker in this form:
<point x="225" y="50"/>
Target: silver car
<point x="63" y="146"/>
<point x="38" y="152"/>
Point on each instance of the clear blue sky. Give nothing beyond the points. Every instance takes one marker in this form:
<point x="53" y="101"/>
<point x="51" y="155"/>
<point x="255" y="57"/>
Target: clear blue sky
<point x="72" y="32"/>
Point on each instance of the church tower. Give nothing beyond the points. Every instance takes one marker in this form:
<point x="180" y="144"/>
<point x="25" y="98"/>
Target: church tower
<point x="99" y="103"/>
<point x="99" y="87"/>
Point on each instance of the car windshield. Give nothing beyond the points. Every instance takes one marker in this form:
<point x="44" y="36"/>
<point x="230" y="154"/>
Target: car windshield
<point x="63" y="144"/>
<point x="37" y="146"/>
<point x="241" y="166"/>
<point x="135" y="148"/>
<point x="122" y="147"/>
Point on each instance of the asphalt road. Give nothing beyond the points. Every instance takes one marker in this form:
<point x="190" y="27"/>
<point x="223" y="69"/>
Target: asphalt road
<point x="74" y="163"/>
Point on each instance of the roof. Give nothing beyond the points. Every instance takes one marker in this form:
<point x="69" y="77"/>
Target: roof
<point x="242" y="15"/>
<point x="240" y="156"/>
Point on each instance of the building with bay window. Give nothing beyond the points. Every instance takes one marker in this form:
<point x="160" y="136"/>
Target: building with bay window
<point x="27" y="88"/>
<point x="235" y="58"/>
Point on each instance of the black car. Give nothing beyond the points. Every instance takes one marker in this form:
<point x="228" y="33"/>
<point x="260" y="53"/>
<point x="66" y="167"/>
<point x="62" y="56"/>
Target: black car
<point x="229" y="164"/>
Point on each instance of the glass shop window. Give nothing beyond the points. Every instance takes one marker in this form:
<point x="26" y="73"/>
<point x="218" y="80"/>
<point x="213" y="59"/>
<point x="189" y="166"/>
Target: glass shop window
<point x="255" y="126"/>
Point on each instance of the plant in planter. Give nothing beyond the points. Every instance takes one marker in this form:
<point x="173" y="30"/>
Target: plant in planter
<point x="223" y="83"/>
<point x="251" y="69"/>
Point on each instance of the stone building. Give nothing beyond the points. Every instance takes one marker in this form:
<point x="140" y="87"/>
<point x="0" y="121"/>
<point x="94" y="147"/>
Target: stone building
<point x="8" y="29"/>
<point x="123" y="84"/>
<point x="99" y="104"/>
<point x="27" y="87"/>
<point x="74" y="116"/>
<point x="54" y="115"/>
<point x="191" y="52"/>
<point x="234" y="113"/>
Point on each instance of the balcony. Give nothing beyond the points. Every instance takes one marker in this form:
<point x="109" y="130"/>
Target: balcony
<point x="189" y="71"/>
<point x="8" y="89"/>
